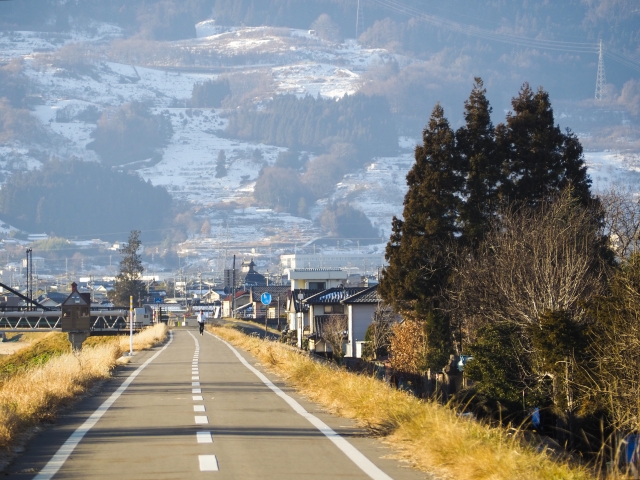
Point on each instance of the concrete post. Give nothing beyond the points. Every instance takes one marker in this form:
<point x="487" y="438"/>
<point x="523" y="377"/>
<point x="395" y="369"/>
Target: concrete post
<point x="76" y="339"/>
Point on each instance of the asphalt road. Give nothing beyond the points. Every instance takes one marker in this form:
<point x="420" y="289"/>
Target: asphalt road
<point x="199" y="409"/>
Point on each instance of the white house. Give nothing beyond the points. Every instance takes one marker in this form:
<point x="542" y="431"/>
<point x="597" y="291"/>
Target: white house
<point x="357" y="304"/>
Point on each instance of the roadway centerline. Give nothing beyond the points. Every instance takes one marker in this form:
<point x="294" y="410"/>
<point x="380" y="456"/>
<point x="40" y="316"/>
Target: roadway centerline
<point x="63" y="453"/>
<point x="204" y="437"/>
<point x="208" y="463"/>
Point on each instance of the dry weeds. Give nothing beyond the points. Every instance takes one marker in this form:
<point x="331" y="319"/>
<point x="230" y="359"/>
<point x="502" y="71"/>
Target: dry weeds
<point x="35" y="392"/>
<point x="430" y="436"/>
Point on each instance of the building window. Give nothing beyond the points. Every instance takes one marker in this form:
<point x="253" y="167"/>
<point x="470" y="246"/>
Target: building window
<point x="317" y="285"/>
<point x="329" y="309"/>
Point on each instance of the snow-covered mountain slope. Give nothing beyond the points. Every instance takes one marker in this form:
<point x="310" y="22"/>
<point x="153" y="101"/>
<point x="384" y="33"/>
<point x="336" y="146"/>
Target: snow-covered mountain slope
<point x="291" y="61"/>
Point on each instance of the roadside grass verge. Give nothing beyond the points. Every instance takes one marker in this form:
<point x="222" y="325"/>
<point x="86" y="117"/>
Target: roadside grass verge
<point x="430" y="436"/>
<point x="48" y="376"/>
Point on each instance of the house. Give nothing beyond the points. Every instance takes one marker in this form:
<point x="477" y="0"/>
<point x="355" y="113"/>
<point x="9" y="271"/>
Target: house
<point x="322" y="307"/>
<point x="248" y="275"/>
<point x="316" y="278"/>
<point x="298" y="312"/>
<point x="52" y="299"/>
<point x="211" y="297"/>
<point x="242" y="298"/>
<point x="357" y="304"/>
<point x="278" y="300"/>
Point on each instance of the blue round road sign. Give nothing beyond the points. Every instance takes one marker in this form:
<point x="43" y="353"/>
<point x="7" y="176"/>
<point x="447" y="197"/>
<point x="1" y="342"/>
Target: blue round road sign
<point x="265" y="298"/>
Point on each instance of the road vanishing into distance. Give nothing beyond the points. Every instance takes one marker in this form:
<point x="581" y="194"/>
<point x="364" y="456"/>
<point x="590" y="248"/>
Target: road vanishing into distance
<point x="198" y="408"/>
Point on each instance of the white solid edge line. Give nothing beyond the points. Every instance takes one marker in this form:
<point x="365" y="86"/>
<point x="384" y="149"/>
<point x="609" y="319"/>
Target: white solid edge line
<point x="63" y="453"/>
<point x="362" y="462"/>
<point x="208" y="463"/>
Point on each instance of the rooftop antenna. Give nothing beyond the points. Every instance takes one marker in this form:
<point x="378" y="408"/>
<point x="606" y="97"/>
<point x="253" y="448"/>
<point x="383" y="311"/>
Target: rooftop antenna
<point x="359" y="18"/>
<point x="600" y="79"/>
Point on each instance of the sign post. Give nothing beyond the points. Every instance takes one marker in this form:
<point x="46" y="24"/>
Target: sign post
<point x="265" y="298"/>
<point x="131" y="326"/>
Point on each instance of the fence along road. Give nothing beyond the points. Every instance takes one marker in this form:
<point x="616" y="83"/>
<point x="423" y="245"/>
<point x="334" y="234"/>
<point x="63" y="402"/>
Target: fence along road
<point x="197" y="408"/>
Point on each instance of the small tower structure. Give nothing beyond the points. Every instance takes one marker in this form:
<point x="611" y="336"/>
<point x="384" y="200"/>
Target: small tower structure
<point x="359" y="18"/>
<point x="601" y="79"/>
<point x="76" y="316"/>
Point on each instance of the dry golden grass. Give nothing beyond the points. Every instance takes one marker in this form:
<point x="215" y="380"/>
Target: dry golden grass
<point x="146" y="339"/>
<point x="34" y="392"/>
<point x="429" y="435"/>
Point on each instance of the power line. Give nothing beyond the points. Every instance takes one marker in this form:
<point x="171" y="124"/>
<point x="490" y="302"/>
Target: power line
<point x="576" y="47"/>
<point x="516" y="40"/>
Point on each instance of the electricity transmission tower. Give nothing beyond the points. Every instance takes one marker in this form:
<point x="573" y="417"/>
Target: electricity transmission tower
<point x="600" y="79"/>
<point x="359" y="18"/>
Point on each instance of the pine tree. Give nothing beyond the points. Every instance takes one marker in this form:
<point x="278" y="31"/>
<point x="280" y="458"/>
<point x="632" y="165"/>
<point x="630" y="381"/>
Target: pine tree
<point x="482" y="166"/>
<point x="417" y="250"/>
<point x="541" y="160"/>
<point x="221" y="165"/>
<point x="129" y="280"/>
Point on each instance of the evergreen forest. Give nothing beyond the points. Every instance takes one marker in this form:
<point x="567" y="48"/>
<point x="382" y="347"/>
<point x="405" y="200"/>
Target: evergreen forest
<point x="46" y="200"/>
<point x="315" y="124"/>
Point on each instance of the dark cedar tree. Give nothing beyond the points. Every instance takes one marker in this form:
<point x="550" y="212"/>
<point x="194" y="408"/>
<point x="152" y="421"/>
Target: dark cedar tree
<point x="417" y="250"/>
<point x="541" y="159"/>
<point x="481" y="164"/>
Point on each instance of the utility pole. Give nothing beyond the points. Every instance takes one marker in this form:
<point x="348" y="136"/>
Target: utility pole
<point x="30" y="295"/>
<point x="233" y="288"/>
<point x="601" y="78"/>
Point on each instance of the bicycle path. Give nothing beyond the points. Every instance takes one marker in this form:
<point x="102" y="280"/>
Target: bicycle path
<point x="201" y="409"/>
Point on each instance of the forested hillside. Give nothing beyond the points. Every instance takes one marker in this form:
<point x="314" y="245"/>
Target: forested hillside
<point x="82" y="198"/>
<point x="316" y="124"/>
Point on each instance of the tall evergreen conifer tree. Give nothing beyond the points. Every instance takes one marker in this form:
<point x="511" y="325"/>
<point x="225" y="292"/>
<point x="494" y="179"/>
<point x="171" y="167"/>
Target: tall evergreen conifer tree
<point x="129" y="280"/>
<point x="417" y="250"/>
<point x="481" y="164"/>
<point x="542" y="161"/>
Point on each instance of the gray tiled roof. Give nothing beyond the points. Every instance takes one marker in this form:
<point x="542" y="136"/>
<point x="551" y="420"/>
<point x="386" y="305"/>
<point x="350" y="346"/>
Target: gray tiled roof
<point x="333" y="295"/>
<point x="274" y="290"/>
<point x="369" y="295"/>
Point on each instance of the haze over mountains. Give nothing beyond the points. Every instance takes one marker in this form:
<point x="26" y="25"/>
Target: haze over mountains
<point x="113" y="82"/>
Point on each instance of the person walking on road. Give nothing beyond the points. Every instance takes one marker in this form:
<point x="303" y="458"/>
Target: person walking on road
<point x="201" y="322"/>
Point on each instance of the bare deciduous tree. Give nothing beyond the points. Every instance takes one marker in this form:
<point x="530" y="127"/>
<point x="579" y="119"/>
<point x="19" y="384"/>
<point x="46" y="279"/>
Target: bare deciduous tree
<point x="379" y="332"/>
<point x="334" y="332"/>
<point x="534" y="261"/>
<point x="615" y="347"/>
<point x="622" y="220"/>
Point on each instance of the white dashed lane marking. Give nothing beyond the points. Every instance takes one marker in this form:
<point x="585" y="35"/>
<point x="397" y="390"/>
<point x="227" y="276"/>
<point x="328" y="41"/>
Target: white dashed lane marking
<point x="208" y="463"/>
<point x="204" y="437"/>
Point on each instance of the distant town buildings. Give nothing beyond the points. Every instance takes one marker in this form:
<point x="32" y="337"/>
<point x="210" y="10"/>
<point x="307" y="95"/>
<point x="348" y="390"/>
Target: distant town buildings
<point x="361" y="263"/>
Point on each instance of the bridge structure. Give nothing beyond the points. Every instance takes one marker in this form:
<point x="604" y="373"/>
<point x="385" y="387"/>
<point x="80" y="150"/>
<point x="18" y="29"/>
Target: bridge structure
<point x="103" y="321"/>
